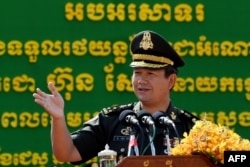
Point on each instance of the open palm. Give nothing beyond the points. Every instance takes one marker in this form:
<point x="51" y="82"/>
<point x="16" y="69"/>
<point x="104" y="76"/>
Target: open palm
<point x="53" y="103"/>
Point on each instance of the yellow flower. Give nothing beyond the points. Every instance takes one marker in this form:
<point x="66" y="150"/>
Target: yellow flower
<point x="210" y="139"/>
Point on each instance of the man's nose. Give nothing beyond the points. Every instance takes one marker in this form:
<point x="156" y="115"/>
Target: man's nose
<point x="142" y="81"/>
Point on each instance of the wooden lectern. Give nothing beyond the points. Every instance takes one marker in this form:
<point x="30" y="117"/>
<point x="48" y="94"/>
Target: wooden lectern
<point x="199" y="160"/>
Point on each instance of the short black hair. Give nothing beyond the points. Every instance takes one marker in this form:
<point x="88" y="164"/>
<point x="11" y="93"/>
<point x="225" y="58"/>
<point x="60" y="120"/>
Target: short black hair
<point x="170" y="70"/>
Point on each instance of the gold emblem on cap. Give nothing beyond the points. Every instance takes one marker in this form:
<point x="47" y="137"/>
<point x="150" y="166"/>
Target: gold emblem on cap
<point x="146" y="42"/>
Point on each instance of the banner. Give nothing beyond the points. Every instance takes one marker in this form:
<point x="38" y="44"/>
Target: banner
<point x="83" y="47"/>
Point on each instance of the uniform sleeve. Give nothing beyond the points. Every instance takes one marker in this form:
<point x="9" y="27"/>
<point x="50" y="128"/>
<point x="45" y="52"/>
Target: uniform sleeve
<point x="97" y="132"/>
<point x="87" y="139"/>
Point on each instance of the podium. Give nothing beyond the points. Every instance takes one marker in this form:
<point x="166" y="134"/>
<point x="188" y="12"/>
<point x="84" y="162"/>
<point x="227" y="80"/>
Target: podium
<point x="198" y="160"/>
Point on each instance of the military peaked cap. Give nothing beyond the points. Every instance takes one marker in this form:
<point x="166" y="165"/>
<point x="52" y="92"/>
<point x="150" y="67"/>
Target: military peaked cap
<point x="150" y="50"/>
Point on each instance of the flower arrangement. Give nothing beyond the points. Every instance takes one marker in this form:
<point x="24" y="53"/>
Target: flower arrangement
<point x="212" y="140"/>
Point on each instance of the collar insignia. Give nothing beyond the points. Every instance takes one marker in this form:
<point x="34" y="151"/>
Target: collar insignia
<point x="173" y="116"/>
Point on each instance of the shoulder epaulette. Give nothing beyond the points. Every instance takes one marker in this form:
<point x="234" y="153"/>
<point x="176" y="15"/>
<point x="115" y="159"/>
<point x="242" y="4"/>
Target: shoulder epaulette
<point x="189" y="115"/>
<point x="117" y="109"/>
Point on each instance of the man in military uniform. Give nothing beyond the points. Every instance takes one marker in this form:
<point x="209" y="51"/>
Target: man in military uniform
<point x="155" y="67"/>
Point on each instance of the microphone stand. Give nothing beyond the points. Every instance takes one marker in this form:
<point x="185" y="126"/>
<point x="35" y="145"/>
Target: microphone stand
<point x="151" y="136"/>
<point x="151" y="139"/>
<point x="132" y="145"/>
<point x="166" y="133"/>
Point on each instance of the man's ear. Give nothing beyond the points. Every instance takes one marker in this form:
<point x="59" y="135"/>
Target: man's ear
<point x="172" y="79"/>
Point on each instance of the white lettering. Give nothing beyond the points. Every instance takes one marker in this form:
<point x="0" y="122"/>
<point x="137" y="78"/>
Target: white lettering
<point x="231" y="158"/>
<point x="243" y="157"/>
<point x="237" y="157"/>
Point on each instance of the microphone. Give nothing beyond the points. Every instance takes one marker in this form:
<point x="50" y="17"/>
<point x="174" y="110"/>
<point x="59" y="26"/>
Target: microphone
<point x="128" y="117"/>
<point x="145" y="117"/>
<point x="161" y="119"/>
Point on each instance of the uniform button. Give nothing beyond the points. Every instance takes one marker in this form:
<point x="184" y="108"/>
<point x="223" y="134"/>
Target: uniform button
<point x="122" y="149"/>
<point x="94" y="165"/>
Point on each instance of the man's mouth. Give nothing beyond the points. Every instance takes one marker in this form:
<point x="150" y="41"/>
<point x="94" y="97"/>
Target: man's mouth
<point x="143" y="89"/>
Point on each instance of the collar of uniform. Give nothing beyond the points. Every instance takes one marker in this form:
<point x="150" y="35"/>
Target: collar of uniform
<point x="137" y="107"/>
<point x="171" y="111"/>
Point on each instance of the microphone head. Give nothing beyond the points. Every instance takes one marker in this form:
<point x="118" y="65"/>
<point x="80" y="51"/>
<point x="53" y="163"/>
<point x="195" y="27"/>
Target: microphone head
<point x="124" y="114"/>
<point x="162" y="119"/>
<point x="156" y="116"/>
<point x="142" y="114"/>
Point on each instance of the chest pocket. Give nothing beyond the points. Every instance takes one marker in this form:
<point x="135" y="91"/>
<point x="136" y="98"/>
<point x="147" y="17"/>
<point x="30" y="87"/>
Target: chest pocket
<point x="119" y="142"/>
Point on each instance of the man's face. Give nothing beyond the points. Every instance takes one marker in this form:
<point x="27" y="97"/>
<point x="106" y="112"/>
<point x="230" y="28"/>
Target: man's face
<point x="151" y="85"/>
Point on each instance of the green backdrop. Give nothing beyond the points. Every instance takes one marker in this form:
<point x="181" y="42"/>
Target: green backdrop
<point x="83" y="46"/>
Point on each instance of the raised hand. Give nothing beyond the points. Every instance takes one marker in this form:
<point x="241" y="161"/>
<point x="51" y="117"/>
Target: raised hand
<point x="53" y="103"/>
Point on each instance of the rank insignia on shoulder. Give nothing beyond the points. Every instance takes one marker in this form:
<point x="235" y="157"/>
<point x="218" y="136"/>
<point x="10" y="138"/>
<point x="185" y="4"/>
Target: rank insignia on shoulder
<point x="109" y="110"/>
<point x="189" y="115"/>
<point x="116" y="108"/>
